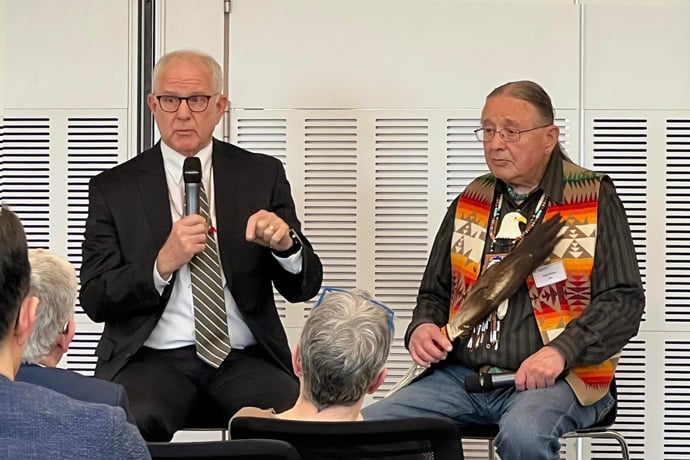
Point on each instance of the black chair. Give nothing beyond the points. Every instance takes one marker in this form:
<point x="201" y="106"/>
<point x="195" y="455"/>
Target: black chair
<point x="599" y="430"/>
<point x="401" y="439"/>
<point x="249" y="449"/>
<point x="202" y="418"/>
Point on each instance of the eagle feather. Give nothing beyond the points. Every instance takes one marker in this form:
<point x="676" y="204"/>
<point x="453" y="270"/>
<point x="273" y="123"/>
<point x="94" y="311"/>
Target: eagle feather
<point x="502" y="279"/>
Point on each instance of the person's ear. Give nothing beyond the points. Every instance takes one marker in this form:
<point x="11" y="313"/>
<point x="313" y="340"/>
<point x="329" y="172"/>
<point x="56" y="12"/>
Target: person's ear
<point x="378" y="381"/>
<point x="552" y="133"/>
<point x="26" y="320"/>
<point x="220" y="106"/>
<point x="152" y="103"/>
<point x="65" y="339"/>
<point x="296" y="362"/>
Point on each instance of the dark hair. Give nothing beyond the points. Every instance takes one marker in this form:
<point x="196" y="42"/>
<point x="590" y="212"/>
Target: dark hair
<point x="15" y="271"/>
<point x="530" y="92"/>
<point x="535" y="95"/>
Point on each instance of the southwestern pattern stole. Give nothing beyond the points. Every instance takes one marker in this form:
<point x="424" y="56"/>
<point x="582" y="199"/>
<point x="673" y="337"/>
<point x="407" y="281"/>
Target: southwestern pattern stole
<point x="554" y="305"/>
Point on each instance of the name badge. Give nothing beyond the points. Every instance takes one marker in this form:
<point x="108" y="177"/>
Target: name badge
<point x="549" y="274"/>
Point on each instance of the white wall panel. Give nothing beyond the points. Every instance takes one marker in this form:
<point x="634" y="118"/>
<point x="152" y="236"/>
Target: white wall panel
<point x="191" y="25"/>
<point x="47" y="159"/>
<point x="2" y="62"/>
<point x="66" y="118"/>
<point x="397" y="53"/>
<point x="67" y="54"/>
<point x="636" y="57"/>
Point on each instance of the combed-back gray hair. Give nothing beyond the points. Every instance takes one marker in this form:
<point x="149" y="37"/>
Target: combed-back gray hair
<point x="343" y="348"/>
<point x="207" y="60"/>
<point x="535" y="95"/>
<point x="54" y="282"/>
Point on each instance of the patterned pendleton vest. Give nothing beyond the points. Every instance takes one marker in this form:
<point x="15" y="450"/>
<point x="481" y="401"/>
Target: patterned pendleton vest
<point x="556" y="304"/>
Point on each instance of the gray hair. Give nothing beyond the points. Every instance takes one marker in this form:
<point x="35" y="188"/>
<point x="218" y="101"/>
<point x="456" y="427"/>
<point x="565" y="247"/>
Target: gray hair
<point x="54" y="282"/>
<point x="207" y="60"/>
<point x="343" y="348"/>
<point x="536" y="96"/>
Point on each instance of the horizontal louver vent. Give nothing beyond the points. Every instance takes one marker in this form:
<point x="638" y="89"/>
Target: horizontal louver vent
<point x="620" y="151"/>
<point x="330" y="196"/>
<point x="464" y="155"/>
<point x="92" y="147"/>
<point x="401" y="219"/>
<point x="399" y="362"/>
<point x="401" y="195"/>
<point x="81" y="357"/>
<point x="677" y="281"/>
<point x="676" y="400"/>
<point x="631" y="383"/>
<point x="267" y="136"/>
<point x="25" y="175"/>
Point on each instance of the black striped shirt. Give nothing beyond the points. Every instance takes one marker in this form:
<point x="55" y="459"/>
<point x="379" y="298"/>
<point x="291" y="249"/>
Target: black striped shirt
<point x="607" y="324"/>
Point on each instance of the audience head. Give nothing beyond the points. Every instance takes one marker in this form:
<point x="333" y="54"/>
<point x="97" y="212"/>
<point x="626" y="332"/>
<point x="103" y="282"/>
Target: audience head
<point x="17" y="307"/>
<point x="343" y="348"/>
<point x="54" y="282"/>
<point x="187" y="100"/>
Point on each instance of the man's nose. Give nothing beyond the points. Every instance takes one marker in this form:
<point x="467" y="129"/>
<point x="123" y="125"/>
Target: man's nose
<point x="496" y="142"/>
<point x="183" y="110"/>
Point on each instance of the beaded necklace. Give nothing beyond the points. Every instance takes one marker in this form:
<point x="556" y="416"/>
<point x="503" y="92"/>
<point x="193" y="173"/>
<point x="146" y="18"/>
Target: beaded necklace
<point x="515" y="195"/>
<point x="496" y="212"/>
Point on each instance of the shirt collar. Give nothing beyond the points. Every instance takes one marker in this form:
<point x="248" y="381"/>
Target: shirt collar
<point x="173" y="162"/>
<point x="551" y="182"/>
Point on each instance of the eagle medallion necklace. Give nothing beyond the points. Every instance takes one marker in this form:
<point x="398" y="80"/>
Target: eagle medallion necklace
<point x="488" y="332"/>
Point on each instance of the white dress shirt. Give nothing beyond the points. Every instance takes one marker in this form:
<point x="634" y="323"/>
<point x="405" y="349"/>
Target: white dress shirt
<point x="175" y="328"/>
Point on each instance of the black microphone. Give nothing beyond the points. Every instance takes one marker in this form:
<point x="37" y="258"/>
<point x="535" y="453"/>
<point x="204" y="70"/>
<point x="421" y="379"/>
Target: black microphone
<point x="191" y="171"/>
<point x="480" y="383"/>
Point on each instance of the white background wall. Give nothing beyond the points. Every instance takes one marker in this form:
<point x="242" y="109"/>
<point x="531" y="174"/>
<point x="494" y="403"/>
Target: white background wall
<point x="371" y="106"/>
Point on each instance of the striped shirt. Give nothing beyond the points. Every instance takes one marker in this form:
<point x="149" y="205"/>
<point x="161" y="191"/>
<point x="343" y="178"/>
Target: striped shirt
<point x="617" y="300"/>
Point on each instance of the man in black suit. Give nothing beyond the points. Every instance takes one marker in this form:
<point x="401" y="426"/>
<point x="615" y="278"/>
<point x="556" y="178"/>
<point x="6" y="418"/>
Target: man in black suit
<point x="54" y="282"/>
<point x="140" y="250"/>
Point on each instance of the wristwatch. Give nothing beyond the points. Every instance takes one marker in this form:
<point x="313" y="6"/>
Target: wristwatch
<point x="294" y="249"/>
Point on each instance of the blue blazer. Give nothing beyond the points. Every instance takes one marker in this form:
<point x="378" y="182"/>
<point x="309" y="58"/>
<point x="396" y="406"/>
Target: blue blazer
<point x="76" y="386"/>
<point x="38" y="423"/>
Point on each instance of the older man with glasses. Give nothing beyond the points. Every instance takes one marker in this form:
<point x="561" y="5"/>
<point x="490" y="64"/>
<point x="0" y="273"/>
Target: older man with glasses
<point x="561" y="330"/>
<point x="186" y="290"/>
<point x="340" y="358"/>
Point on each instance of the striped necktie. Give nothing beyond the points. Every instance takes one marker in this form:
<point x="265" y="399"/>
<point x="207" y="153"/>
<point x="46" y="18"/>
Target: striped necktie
<point x="210" y="317"/>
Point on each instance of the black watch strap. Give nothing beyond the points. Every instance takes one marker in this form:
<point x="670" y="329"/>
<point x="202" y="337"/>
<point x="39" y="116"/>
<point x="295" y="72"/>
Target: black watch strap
<point x="294" y="249"/>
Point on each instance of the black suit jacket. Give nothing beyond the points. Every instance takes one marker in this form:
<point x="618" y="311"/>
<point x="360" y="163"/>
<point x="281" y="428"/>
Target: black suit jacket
<point x="129" y="220"/>
<point x="76" y="386"/>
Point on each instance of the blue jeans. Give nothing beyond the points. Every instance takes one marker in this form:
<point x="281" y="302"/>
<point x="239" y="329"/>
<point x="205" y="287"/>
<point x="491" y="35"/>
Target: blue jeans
<point x="531" y="422"/>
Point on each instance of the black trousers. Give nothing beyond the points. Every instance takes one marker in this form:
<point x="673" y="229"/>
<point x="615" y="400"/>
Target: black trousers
<point x="165" y="387"/>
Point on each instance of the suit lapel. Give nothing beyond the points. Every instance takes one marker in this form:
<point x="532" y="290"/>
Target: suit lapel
<point x="153" y="190"/>
<point x="225" y="175"/>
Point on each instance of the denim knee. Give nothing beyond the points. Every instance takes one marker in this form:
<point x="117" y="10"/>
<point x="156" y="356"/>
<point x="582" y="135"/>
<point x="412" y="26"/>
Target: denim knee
<point x="523" y="438"/>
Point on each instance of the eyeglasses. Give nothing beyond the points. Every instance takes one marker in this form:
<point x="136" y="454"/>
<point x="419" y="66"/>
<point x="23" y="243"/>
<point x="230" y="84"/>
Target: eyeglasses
<point x="328" y="290"/>
<point x="196" y="103"/>
<point x="65" y="328"/>
<point x="507" y="134"/>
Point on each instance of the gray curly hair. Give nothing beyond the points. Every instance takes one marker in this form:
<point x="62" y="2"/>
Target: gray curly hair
<point x="343" y="348"/>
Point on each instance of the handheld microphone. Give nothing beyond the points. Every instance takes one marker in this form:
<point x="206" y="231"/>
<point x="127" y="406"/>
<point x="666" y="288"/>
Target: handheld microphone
<point x="480" y="383"/>
<point x="191" y="172"/>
